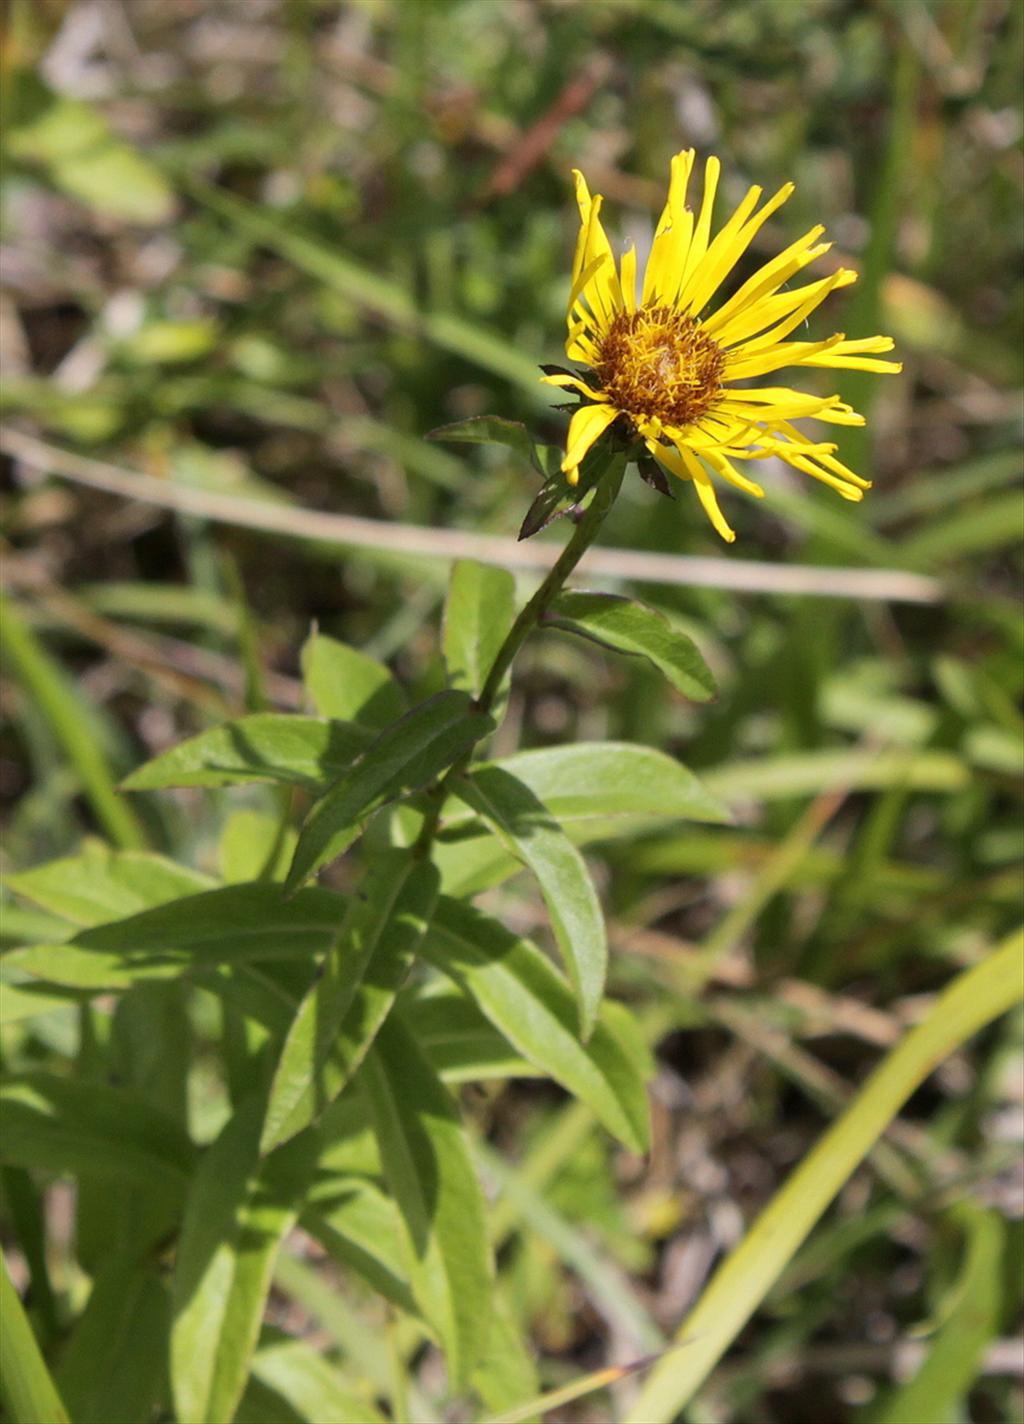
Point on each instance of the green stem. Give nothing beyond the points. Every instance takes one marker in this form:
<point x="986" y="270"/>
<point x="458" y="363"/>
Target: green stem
<point x="583" y="536"/>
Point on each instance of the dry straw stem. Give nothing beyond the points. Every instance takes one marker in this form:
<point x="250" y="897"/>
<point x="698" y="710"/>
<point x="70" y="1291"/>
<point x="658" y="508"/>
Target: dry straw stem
<point x="976" y="997"/>
<point x="354" y="532"/>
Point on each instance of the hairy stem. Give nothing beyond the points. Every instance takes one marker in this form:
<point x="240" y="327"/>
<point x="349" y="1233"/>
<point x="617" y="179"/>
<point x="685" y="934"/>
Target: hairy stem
<point x="583" y="536"/>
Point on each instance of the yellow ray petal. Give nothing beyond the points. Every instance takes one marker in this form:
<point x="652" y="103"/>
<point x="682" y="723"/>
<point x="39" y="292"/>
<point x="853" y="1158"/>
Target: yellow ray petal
<point x="602" y="292"/>
<point x="769" y="310"/>
<point x="627" y="278"/>
<point x="728" y="247"/>
<point x="579" y="285"/>
<point x="728" y="471"/>
<point x="672" y="236"/>
<point x="587" y="424"/>
<point x="787" y="353"/>
<point x="720" y="256"/>
<point x="770" y="277"/>
<point x="781" y="329"/>
<point x="823" y="454"/>
<point x="680" y="462"/>
<point x="702" y="230"/>
<point x="854" y="355"/>
<point x="574" y="383"/>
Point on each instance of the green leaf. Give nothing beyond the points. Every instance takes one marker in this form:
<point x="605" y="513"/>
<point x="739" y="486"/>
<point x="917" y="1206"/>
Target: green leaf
<point x="28" y="1392"/>
<point x="358" y="1224"/>
<point x="409" y="754"/>
<point x="491" y="430"/>
<point x="462" y="1045"/>
<point x="631" y="627"/>
<point x="19" y="1002"/>
<point x="527" y="829"/>
<point x="224" y="926"/>
<point x="100" y="884"/>
<point x="431" y="1176"/>
<point x="237" y="1213"/>
<point x="118" y="1348"/>
<point x="507" y="1373"/>
<point x="526" y="999"/>
<point x="974" y="998"/>
<point x="584" y="781"/>
<point x="556" y="496"/>
<point x="266" y="746"/>
<point x="82" y="1128"/>
<point x="478" y="614"/>
<point x="594" y="789"/>
<point x="352" y="992"/>
<point x="299" y="1375"/>
<point x="255" y="846"/>
<point x="348" y="685"/>
<point x="938" y="1389"/>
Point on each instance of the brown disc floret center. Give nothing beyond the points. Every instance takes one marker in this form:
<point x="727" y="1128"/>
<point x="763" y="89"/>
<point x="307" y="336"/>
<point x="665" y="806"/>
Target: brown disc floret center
<point x="658" y="362"/>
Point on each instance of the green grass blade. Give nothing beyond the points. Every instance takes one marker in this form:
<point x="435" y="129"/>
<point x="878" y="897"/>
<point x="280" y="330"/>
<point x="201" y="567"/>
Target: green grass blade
<point x="938" y="1388"/>
<point x="46" y="684"/>
<point x="373" y="292"/>
<point x="976" y="997"/>
<point x="28" y="1392"/>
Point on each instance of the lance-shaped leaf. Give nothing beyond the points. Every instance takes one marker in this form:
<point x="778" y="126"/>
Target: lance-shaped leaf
<point x="588" y="781"/>
<point x="556" y="496"/>
<point x="237" y="1213"/>
<point x="631" y="627"/>
<point x="526" y="827"/>
<point x="305" y="1386"/>
<point x="88" y="1129"/>
<point x="100" y="884"/>
<point x="345" y="683"/>
<point x="351" y="995"/>
<point x="430" y="1174"/>
<point x="237" y="923"/>
<point x="477" y="615"/>
<point x="268" y="746"/>
<point x="118" y="1347"/>
<point x="358" y="1224"/>
<point x="525" y="997"/>
<point x="459" y="1041"/>
<point x="26" y="1388"/>
<point x="490" y="430"/>
<point x="404" y="758"/>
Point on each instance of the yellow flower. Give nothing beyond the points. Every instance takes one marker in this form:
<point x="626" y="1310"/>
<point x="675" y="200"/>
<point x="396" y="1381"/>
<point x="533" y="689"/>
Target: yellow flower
<point x="679" y="372"/>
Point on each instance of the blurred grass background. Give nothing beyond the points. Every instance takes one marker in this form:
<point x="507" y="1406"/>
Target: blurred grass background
<point x="260" y="248"/>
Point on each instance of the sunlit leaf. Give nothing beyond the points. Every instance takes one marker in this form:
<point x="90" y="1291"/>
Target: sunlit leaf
<point x="266" y="746"/>
<point x="525" y="998"/>
<point x="630" y="627"/>
<point x="432" y="1178"/>
<point x="528" y="830"/>
<point x="405" y="757"/>
<point x="352" y="992"/>
<point x="237" y="1213"/>
<point x="348" y="685"/>
<point x="478" y="613"/>
<point x="238" y="923"/>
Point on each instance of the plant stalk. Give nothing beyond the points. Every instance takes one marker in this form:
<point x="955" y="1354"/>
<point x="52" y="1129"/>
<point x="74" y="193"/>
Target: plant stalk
<point x="529" y="616"/>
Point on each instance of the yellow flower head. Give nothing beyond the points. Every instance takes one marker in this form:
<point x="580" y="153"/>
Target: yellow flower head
<point x="679" y="373"/>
